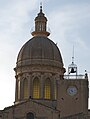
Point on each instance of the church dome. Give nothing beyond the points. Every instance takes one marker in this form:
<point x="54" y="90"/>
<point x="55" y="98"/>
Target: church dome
<point x="39" y="50"/>
<point x="38" y="62"/>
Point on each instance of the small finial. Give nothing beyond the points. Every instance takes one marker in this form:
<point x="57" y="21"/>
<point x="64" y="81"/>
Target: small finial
<point x="40" y="6"/>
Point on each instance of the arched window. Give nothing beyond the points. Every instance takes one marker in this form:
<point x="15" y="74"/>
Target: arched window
<point x="25" y="87"/>
<point x="47" y="89"/>
<point x="36" y="88"/>
<point x="30" y="115"/>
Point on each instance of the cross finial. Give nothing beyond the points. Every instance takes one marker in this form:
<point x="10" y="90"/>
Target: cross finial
<point x="40" y="6"/>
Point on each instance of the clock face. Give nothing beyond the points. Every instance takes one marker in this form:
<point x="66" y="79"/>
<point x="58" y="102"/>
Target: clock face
<point x="72" y="90"/>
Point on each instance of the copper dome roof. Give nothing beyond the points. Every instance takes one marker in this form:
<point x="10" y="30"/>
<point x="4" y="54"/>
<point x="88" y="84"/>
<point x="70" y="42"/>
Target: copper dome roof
<point x="39" y="50"/>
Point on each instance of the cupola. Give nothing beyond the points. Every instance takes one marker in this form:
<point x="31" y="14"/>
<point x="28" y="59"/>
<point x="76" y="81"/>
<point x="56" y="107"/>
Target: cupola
<point x="40" y="24"/>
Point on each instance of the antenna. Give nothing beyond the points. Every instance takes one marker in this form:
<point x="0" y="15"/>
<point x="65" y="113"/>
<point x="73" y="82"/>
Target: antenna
<point x="73" y="55"/>
<point x="72" y="68"/>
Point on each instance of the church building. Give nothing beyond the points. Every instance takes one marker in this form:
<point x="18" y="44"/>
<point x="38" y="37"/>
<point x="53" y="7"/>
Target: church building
<point x="43" y="91"/>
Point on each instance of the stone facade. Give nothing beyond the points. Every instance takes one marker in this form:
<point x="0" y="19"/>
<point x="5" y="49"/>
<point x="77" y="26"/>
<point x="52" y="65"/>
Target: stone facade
<point x="65" y="107"/>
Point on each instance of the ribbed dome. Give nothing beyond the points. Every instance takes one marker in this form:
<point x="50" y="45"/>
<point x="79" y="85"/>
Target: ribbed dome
<point x="39" y="50"/>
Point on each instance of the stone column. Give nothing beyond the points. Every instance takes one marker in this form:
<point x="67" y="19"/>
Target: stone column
<point x="16" y="90"/>
<point x="31" y="87"/>
<point x="21" y="88"/>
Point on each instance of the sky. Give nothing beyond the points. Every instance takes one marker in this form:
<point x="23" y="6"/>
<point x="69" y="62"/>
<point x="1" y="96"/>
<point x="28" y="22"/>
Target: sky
<point x="69" y="23"/>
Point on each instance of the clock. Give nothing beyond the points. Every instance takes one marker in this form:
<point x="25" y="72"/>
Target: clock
<point x="72" y="90"/>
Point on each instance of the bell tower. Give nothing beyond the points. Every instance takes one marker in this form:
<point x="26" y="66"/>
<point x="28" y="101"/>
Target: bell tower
<point x="73" y="92"/>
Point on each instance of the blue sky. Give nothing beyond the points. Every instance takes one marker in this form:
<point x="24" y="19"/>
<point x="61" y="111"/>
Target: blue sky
<point x="69" y="21"/>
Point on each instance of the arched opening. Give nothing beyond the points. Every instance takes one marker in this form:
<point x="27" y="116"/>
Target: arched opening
<point x="47" y="89"/>
<point x="36" y="88"/>
<point x="25" y="87"/>
<point x="30" y="115"/>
